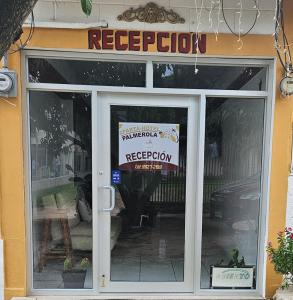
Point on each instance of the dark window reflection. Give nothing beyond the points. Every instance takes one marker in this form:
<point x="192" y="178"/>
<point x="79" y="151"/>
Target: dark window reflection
<point x="232" y="182"/>
<point x="86" y="72"/>
<point x="209" y="77"/>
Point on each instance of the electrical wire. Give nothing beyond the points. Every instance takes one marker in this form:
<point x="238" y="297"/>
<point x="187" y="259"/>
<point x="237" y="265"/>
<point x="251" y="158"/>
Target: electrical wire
<point x="281" y="41"/>
<point x="29" y="37"/>
<point x="252" y="26"/>
<point x="212" y="6"/>
<point x="287" y="51"/>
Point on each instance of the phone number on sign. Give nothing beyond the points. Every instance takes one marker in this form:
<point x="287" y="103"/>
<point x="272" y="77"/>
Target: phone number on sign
<point x="148" y="167"/>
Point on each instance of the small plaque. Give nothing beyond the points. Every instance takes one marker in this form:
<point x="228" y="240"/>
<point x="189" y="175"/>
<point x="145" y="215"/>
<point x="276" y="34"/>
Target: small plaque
<point x="116" y="177"/>
<point x="225" y="277"/>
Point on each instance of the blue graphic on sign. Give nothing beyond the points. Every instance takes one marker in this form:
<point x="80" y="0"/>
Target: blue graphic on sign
<point x="116" y="177"/>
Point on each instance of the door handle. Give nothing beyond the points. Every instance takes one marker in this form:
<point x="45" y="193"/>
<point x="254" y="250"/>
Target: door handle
<point x="112" y="197"/>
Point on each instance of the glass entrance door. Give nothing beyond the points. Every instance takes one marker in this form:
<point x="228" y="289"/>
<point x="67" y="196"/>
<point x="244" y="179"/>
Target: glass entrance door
<point x="146" y="193"/>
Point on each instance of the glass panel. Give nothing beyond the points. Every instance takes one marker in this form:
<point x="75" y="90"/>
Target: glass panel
<point x="109" y="73"/>
<point x="210" y="77"/>
<point x="232" y="184"/>
<point x="61" y="184"/>
<point x="148" y="222"/>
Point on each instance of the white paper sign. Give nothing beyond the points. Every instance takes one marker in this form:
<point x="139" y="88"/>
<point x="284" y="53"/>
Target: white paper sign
<point x="148" y="146"/>
<point x="232" y="277"/>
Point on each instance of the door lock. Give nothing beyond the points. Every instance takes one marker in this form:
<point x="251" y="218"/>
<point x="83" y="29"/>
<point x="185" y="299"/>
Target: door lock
<point x="103" y="281"/>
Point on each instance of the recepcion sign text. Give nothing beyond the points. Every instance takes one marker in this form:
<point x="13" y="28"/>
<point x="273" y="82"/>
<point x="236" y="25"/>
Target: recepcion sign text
<point x="148" y="146"/>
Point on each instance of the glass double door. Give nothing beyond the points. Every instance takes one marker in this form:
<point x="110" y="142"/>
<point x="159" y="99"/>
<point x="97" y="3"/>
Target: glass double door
<point x="146" y="160"/>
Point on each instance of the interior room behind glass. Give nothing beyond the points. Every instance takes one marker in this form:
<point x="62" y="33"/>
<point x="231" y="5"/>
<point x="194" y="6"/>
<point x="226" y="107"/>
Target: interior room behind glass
<point x="232" y="183"/>
<point x="150" y="205"/>
<point x="61" y="187"/>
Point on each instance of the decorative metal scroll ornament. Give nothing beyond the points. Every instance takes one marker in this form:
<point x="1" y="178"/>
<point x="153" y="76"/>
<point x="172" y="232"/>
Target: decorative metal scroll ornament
<point x="151" y="13"/>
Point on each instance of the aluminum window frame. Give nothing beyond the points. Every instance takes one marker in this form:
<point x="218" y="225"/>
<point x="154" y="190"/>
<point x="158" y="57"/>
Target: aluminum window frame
<point x="268" y="96"/>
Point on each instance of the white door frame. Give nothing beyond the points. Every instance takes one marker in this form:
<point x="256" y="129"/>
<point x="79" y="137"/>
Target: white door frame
<point x="104" y="171"/>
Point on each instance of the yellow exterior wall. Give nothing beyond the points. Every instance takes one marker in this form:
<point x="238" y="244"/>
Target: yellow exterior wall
<point x="12" y="191"/>
<point x="12" y="200"/>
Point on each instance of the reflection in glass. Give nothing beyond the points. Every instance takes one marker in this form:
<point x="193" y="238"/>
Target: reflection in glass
<point x="61" y="189"/>
<point x="210" y="77"/>
<point x="232" y="182"/>
<point x="86" y="72"/>
<point x="148" y="222"/>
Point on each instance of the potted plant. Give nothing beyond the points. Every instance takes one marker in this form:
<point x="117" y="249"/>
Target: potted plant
<point x="282" y="257"/>
<point x="73" y="277"/>
<point x="234" y="262"/>
<point x="235" y="274"/>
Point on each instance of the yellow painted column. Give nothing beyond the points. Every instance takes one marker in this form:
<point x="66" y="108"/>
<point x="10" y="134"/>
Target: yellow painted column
<point x="12" y="189"/>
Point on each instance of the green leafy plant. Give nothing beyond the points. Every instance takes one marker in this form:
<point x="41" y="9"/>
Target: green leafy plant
<point x="235" y="262"/>
<point x="86" y="6"/>
<point x="282" y="256"/>
<point x="68" y="264"/>
<point x="84" y="263"/>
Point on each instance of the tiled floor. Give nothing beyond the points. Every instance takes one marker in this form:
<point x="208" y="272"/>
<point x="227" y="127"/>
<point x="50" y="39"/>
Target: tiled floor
<point x="157" y="253"/>
<point x="51" y="277"/>
<point x="146" y="254"/>
<point x="151" y="253"/>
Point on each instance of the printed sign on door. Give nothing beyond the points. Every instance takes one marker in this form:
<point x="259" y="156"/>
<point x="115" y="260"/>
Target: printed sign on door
<point x="148" y="146"/>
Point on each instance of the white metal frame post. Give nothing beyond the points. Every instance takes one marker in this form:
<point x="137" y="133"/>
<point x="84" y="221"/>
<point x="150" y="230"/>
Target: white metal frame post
<point x="1" y="269"/>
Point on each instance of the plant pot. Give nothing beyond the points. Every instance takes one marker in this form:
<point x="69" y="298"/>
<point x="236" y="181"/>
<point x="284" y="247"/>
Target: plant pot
<point x="284" y="294"/>
<point x="73" y="279"/>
